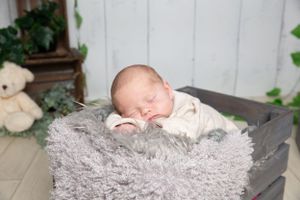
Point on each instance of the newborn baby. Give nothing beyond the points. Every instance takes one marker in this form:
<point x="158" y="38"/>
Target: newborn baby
<point x="140" y="96"/>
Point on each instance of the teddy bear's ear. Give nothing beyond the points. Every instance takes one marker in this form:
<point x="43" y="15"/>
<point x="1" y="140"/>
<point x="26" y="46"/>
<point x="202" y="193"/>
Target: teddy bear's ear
<point x="28" y="75"/>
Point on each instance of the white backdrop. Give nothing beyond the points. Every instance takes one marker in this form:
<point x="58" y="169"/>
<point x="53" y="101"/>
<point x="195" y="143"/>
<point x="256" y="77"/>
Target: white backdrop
<point x="239" y="47"/>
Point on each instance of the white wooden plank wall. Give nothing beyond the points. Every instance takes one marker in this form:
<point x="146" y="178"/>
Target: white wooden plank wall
<point x="239" y="47"/>
<point x="216" y="44"/>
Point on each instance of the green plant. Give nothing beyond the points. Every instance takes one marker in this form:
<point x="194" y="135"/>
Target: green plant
<point x="296" y="55"/>
<point x="294" y="104"/>
<point x="82" y="48"/>
<point x="41" y="27"/>
<point x="11" y="47"/>
<point x="58" y="100"/>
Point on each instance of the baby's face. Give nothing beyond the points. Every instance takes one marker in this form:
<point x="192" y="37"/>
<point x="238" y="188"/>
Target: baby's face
<point x="144" y="100"/>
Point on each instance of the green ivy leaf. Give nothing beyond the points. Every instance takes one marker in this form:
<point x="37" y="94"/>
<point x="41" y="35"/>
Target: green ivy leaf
<point x="274" y="92"/>
<point x="10" y="46"/>
<point x="78" y="19"/>
<point x="296" y="117"/>
<point x="43" y="36"/>
<point x="296" y="31"/>
<point x="83" y="49"/>
<point x="296" y="58"/>
<point x="295" y="102"/>
<point x="277" y="102"/>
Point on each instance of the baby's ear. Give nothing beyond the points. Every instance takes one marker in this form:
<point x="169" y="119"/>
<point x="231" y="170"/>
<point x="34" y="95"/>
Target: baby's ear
<point x="168" y="88"/>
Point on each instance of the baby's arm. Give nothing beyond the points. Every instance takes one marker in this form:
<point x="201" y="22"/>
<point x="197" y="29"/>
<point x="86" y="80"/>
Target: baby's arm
<point x="212" y="119"/>
<point x="195" y="119"/>
<point x="116" y="122"/>
<point x="185" y="121"/>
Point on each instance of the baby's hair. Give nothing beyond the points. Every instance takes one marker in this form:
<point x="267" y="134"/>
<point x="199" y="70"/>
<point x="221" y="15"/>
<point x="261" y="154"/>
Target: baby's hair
<point x="127" y="71"/>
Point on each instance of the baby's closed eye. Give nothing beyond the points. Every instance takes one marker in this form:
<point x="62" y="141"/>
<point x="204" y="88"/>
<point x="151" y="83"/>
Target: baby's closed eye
<point x="151" y="98"/>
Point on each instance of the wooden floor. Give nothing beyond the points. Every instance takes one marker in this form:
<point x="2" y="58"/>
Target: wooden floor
<point x="24" y="171"/>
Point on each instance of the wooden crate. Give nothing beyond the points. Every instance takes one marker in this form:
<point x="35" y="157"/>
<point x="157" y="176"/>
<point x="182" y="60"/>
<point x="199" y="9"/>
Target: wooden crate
<point x="274" y="127"/>
<point x="51" y="71"/>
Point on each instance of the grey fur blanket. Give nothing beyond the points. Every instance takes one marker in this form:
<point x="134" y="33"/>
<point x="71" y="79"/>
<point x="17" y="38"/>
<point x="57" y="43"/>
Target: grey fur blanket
<point x="88" y="161"/>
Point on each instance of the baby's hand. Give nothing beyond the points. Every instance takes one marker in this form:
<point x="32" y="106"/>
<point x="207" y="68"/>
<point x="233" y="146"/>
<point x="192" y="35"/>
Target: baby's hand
<point x="126" y="128"/>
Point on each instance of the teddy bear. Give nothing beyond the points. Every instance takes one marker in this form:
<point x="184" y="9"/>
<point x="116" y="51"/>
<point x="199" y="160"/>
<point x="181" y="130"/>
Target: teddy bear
<point x="17" y="110"/>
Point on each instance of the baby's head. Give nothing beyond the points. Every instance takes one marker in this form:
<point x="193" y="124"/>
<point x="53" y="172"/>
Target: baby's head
<point x="139" y="92"/>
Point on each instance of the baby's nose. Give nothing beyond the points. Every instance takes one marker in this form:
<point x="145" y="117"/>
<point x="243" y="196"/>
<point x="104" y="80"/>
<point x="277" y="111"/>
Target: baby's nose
<point x="145" y="111"/>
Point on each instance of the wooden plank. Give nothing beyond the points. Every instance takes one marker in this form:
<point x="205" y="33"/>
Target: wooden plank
<point x="14" y="162"/>
<point x="37" y="182"/>
<point x="54" y="76"/>
<point x="7" y="188"/>
<point x="93" y="34"/>
<point x="13" y="13"/>
<point x="5" y="142"/>
<point x="34" y="90"/>
<point x="126" y="35"/>
<point x="271" y="134"/>
<point x="57" y="60"/>
<point x="274" y="191"/>
<point x="298" y="135"/>
<point x="216" y="45"/>
<point x="292" y="186"/>
<point x="259" y="42"/>
<point x="294" y="158"/>
<point x="267" y="172"/>
<point x="171" y="29"/>
<point x="4" y="10"/>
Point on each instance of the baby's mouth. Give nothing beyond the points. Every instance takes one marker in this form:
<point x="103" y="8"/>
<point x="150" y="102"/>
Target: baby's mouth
<point x="153" y="117"/>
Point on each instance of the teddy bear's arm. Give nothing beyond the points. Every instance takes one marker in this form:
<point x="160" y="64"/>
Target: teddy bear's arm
<point x="29" y="106"/>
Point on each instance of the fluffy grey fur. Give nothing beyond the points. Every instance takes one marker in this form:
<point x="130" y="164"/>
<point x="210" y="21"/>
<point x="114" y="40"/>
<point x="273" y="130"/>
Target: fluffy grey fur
<point x="88" y="161"/>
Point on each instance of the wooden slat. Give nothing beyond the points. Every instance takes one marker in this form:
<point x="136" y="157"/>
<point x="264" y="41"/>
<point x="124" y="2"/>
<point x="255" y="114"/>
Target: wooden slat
<point x="34" y="90"/>
<point x="259" y="38"/>
<point x="170" y="35"/>
<point x="274" y="191"/>
<point x="21" y="5"/>
<point x="271" y="134"/>
<point x="292" y="184"/>
<point x="254" y="113"/>
<point x="298" y="134"/>
<point x="294" y="159"/>
<point x="267" y="172"/>
<point x="7" y="188"/>
<point x="54" y="76"/>
<point x="34" y="3"/>
<point x="14" y="162"/>
<point x="130" y="47"/>
<point x="70" y="58"/>
<point x="216" y="45"/>
<point x="37" y="182"/>
<point x="4" y="143"/>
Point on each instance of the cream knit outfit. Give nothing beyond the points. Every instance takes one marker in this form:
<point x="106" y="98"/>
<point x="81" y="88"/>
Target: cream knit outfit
<point x="189" y="117"/>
